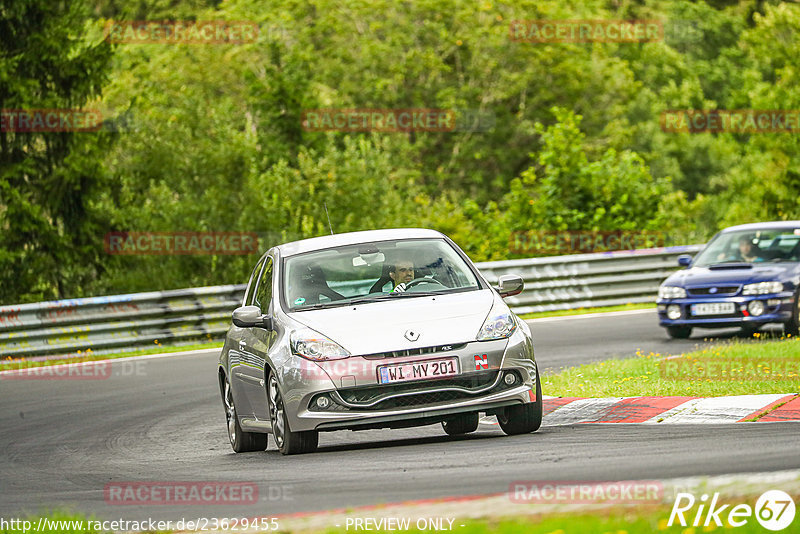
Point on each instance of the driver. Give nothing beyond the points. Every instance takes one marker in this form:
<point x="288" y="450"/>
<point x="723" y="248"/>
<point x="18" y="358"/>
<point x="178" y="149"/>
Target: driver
<point x="401" y="273"/>
<point x="748" y="250"/>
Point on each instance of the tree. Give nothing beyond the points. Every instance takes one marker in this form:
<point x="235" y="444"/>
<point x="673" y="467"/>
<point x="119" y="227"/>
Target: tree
<point x="49" y="244"/>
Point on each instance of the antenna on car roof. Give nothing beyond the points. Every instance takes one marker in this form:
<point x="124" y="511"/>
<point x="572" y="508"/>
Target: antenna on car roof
<point x="328" y="216"/>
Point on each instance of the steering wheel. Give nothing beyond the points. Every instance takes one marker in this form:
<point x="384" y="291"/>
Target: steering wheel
<point x="417" y="281"/>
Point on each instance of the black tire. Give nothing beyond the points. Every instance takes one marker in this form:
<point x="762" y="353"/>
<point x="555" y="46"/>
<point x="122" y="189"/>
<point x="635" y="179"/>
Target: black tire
<point x="463" y="423"/>
<point x="749" y="330"/>
<point x="523" y="418"/>
<point x="679" y="332"/>
<point x="288" y="442"/>
<point x="241" y="441"/>
<point x="792" y="328"/>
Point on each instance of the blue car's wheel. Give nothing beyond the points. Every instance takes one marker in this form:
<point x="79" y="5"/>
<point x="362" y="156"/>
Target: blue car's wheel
<point x="679" y="332"/>
<point x="792" y="328"/>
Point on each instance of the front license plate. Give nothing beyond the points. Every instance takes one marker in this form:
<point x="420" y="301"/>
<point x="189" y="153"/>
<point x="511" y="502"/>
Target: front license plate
<point x="713" y="308"/>
<point x="403" y="372"/>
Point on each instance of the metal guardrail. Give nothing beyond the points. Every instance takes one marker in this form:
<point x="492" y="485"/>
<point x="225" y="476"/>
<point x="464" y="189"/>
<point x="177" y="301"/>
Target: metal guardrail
<point x="588" y="280"/>
<point x="126" y="322"/>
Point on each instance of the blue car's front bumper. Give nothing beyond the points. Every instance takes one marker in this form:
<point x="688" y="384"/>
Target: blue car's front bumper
<point x="777" y="309"/>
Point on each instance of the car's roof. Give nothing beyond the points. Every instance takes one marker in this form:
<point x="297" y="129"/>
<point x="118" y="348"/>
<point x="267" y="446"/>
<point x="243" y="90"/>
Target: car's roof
<point x="772" y="225"/>
<point x="354" y="238"/>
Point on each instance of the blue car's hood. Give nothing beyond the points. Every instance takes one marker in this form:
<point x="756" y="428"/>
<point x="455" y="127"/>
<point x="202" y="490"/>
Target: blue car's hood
<point x="760" y="272"/>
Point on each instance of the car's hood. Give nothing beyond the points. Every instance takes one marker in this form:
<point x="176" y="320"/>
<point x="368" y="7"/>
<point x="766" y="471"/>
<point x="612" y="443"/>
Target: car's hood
<point x="699" y="276"/>
<point x="382" y="326"/>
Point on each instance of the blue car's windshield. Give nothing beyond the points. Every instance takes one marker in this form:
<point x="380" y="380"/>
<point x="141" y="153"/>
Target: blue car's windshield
<point x="371" y="271"/>
<point x="752" y="246"/>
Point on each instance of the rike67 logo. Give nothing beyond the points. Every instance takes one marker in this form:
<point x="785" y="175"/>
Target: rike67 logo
<point x="774" y="510"/>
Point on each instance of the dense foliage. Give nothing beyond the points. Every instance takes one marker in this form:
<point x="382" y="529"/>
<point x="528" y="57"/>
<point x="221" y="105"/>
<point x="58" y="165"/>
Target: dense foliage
<point x="209" y="137"/>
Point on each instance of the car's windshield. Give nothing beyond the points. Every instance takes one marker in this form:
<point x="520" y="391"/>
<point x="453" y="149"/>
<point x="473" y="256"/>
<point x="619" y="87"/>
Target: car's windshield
<point x="370" y="272"/>
<point x="752" y="246"/>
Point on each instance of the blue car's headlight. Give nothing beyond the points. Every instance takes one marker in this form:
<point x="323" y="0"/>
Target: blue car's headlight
<point x="671" y="292"/>
<point x="497" y="326"/>
<point x="762" y="288"/>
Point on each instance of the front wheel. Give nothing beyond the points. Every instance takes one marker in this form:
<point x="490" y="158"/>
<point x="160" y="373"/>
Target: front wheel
<point x="523" y="418"/>
<point x="288" y="442"/>
<point x="679" y="332"/>
<point x="241" y="441"/>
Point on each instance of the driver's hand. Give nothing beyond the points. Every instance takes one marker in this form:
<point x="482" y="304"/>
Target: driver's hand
<point x="401" y="287"/>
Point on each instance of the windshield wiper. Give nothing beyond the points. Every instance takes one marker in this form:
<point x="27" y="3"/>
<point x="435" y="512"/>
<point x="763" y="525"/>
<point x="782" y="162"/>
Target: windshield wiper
<point x="414" y="294"/>
<point x="374" y="298"/>
<point x="389" y="296"/>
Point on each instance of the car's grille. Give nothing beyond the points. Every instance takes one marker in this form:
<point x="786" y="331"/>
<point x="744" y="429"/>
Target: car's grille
<point x="368" y="394"/>
<point x="415" y="352"/>
<point x="713" y="291"/>
<point x="420" y="393"/>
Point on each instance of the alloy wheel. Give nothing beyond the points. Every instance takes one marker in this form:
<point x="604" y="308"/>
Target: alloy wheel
<point x="276" y="411"/>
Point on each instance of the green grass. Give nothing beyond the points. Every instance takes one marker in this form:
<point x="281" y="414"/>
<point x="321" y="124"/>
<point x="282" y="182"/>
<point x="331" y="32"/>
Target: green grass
<point x="88" y="355"/>
<point x="734" y="368"/>
<point x="582" y="311"/>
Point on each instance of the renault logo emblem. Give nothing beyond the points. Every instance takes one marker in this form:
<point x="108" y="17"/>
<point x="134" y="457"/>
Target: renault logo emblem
<point x="412" y="335"/>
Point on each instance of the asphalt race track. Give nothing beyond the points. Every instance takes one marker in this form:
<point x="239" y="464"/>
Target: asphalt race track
<point x="160" y="419"/>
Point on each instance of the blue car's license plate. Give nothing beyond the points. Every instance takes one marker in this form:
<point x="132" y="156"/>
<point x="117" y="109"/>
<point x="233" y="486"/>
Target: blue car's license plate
<point x="713" y="308"/>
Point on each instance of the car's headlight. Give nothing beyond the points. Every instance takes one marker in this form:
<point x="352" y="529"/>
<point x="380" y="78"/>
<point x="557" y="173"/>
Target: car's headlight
<point x="671" y="292"/>
<point x="762" y="288"/>
<point x="497" y="326"/>
<point x="314" y="346"/>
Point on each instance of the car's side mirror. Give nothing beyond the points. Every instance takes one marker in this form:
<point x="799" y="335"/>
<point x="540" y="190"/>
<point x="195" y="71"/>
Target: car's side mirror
<point x="509" y="285"/>
<point x="249" y="316"/>
<point x="684" y="260"/>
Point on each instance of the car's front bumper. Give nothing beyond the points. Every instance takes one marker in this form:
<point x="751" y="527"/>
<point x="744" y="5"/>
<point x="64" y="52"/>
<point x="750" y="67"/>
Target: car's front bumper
<point x="364" y="403"/>
<point x="777" y="309"/>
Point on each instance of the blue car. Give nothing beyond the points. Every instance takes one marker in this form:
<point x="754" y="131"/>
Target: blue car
<point x="747" y="276"/>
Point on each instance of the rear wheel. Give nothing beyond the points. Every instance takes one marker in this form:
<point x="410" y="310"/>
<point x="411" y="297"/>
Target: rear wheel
<point x="523" y="418"/>
<point x="288" y="442"/>
<point x="241" y="441"/>
<point x="679" y="332"/>
<point x="461" y="424"/>
<point x="792" y="328"/>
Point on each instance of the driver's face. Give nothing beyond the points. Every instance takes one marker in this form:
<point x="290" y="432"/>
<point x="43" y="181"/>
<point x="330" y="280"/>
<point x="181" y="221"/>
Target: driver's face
<point x="745" y="248"/>
<point x="403" y="272"/>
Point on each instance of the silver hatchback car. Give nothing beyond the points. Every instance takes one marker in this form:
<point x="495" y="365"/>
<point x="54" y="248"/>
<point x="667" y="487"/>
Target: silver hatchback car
<point x="376" y="329"/>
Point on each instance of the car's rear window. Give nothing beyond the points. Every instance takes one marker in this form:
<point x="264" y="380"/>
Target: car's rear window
<point x="340" y="275"/>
